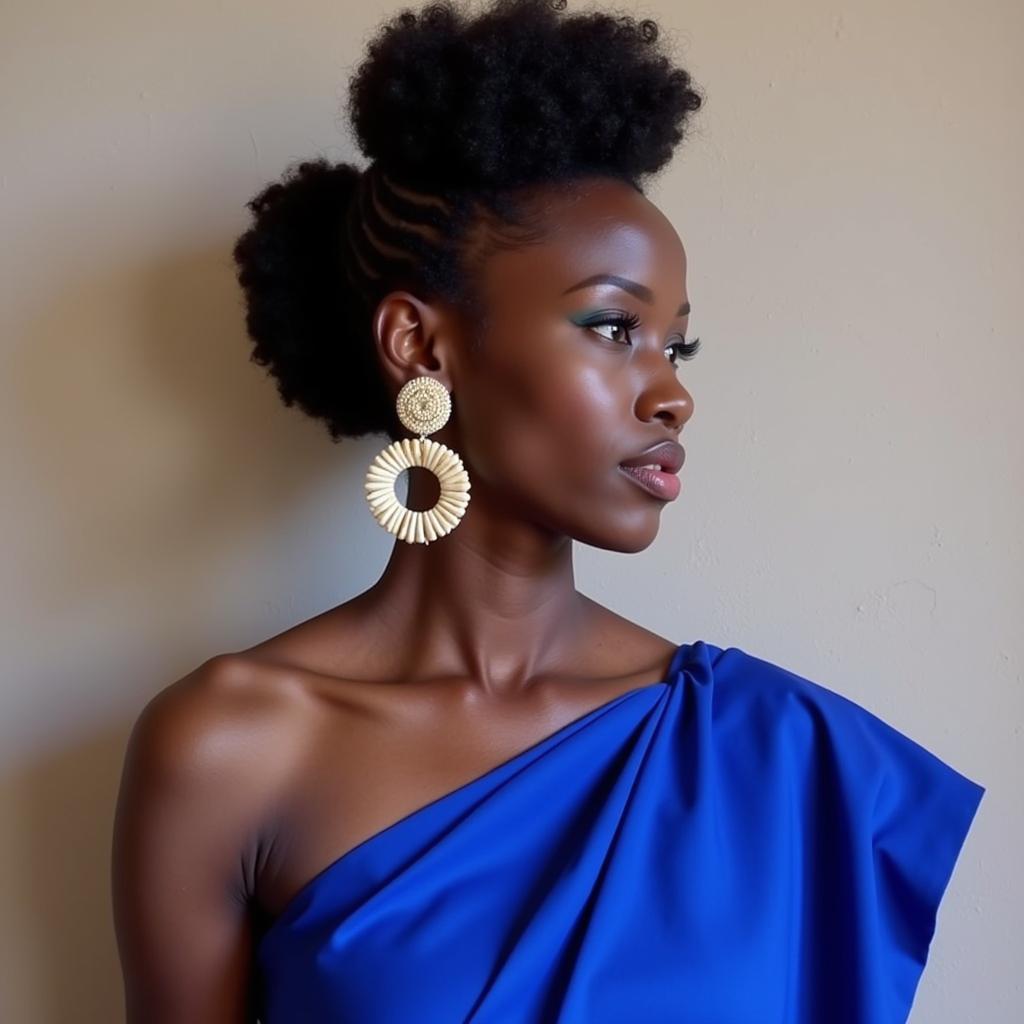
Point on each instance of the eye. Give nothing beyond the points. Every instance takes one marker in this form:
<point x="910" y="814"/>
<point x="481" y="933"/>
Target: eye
<point x="627" y="321"/>
<point x="678" y="350"/>
<point x="682" y="350"/>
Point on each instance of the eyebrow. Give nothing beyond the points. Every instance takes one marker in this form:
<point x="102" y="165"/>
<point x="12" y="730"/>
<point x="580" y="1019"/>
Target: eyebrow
<point x="640" y="291"/>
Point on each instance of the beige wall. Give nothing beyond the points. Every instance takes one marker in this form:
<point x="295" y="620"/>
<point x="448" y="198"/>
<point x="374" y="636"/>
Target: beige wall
<point x="851" y="206"/>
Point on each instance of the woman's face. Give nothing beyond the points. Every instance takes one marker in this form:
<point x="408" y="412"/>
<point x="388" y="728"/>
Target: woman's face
<point x="553" y="400"/>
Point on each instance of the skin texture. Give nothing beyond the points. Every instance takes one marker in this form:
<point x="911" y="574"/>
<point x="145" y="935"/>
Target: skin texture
<point x="250" y="775"/>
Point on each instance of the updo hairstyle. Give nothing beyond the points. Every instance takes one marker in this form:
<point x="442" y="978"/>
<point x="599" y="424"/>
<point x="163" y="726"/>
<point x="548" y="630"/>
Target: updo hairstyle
<point x="464" y="119"/>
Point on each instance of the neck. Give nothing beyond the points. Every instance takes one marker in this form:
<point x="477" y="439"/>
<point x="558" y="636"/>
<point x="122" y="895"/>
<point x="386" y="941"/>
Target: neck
<point x="494" y="600"/>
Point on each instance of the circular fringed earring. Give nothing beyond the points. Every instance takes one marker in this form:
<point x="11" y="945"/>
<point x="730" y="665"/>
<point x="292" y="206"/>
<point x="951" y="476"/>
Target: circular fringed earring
<point x="423" y="406"/>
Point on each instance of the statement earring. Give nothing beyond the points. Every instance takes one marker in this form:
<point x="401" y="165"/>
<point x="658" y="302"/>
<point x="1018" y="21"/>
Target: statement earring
<point x="423" y="405"/>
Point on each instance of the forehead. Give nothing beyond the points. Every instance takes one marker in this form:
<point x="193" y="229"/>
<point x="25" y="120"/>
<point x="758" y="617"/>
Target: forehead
<point x="598" y="227"/>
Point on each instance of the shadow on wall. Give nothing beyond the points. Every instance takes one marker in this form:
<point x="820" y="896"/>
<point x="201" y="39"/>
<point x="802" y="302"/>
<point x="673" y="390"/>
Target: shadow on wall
<point x="162" y="482"/>
<point x="57" y="872"/>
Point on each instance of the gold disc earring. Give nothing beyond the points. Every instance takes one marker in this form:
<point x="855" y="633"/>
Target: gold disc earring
<point x="423" y="405"/>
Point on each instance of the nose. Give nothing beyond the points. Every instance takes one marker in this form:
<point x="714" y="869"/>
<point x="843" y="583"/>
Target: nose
<point x="667" y="400"/>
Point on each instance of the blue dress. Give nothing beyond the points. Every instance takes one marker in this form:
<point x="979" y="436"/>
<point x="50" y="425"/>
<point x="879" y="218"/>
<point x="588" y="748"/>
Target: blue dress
<point x="732" y="845"/>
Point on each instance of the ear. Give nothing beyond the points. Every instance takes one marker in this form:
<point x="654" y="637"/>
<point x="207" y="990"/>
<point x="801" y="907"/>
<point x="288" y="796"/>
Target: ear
<point x="413" y="338"/>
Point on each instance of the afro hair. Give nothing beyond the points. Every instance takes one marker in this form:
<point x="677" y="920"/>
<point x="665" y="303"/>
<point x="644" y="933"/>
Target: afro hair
<point x="462" y="117"/>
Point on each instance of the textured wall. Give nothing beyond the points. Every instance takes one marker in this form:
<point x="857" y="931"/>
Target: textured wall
<point x="852" y="211"/>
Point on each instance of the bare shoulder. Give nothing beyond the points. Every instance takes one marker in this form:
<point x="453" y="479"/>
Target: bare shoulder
<point x="208" y="712"/>
<point x="233" y="723"/>
<point x="206" y="764"/>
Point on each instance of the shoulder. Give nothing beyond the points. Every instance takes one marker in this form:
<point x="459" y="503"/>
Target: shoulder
<point x="777" y="709"/>
<point x="207" y="763"/>
<point x="232" y="723"/>
<point x="794" y="700"/>
<point x="740" y="679"/>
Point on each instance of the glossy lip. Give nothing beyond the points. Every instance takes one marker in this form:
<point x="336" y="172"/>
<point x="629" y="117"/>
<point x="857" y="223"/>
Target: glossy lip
<point x="662" y="482"/>
<point x="665" y="486"/>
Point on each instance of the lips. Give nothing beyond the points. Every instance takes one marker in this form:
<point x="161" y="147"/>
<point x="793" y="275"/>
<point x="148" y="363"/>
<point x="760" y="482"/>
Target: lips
<point x="654" y="470"/>
<point x="667" y="457"/>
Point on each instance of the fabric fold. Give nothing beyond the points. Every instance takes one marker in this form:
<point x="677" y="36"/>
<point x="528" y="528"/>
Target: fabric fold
<point x="732" y="845"/>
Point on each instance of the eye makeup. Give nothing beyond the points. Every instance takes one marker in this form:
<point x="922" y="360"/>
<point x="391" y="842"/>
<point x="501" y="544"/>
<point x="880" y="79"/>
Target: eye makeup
<point x="681" y="349"/>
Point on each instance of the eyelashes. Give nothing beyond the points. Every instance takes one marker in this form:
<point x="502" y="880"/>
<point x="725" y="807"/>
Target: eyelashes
<point x="684" y="349"/>
<point x="630" y="321"/>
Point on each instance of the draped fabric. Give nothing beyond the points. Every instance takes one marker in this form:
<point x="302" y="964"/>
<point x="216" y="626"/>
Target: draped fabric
<point x="732" y="845"/>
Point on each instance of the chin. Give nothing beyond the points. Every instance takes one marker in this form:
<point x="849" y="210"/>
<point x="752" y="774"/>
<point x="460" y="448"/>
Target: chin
<point x="625" y="538"/>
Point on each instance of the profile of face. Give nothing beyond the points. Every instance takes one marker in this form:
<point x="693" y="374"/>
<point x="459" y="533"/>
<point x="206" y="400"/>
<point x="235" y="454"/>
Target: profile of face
<point x="557" y="394"/>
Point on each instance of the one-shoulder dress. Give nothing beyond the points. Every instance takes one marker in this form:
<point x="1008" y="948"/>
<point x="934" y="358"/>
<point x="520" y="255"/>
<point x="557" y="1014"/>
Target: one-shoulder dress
<point x="734" y="844"/>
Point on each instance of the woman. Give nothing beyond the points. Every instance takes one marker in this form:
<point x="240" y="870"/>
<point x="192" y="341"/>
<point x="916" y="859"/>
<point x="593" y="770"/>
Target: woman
<point x="471" y="792"/>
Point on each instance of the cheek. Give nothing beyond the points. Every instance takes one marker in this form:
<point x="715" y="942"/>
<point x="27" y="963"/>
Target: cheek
<point x="544" y="423"/>
<point x="582" y="411"/>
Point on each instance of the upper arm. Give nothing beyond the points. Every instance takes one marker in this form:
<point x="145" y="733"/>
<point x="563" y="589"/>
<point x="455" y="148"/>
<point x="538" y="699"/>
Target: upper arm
<point x="192" y="797"/>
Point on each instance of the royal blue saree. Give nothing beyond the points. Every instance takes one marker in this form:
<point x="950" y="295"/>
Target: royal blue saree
<point x="732" y="845"/>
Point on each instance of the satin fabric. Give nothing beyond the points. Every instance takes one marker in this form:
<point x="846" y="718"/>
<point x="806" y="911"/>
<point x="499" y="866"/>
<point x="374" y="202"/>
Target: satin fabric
<point x="732" y="845"/>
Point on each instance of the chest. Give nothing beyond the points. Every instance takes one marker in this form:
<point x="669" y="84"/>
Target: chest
<point x="366" y="768"/>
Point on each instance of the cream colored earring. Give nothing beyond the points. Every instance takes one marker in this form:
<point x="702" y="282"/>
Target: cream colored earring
<point x="423" y="406"/>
